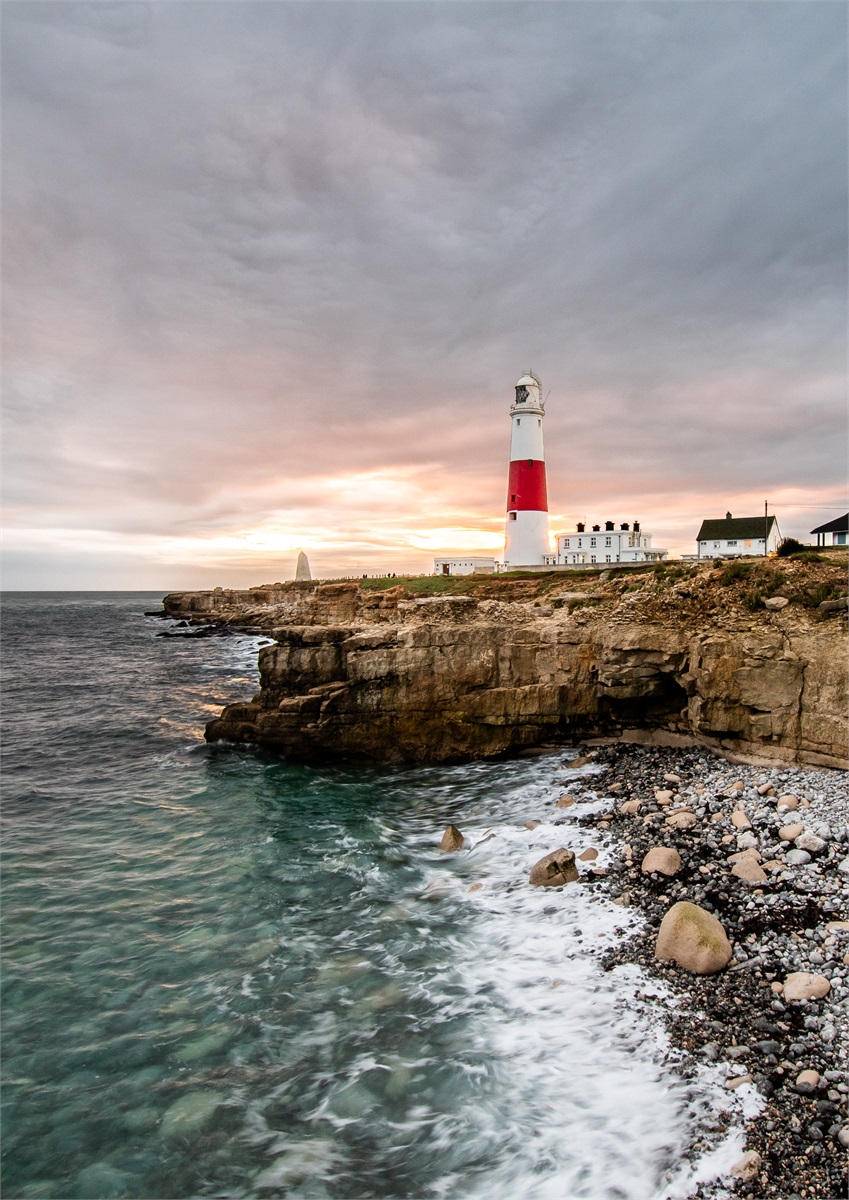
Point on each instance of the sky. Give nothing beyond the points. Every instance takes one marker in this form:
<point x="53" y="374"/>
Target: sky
<point x="271" y="271"/>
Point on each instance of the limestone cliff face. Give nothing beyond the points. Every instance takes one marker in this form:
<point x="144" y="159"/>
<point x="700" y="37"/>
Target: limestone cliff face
<point x="387" y="677"/>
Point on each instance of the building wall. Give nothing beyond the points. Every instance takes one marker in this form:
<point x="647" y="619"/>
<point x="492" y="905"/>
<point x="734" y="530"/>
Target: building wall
<point x="606" y="546"/>
<point x="464" y="566"/>
<point x="737" y="547"/>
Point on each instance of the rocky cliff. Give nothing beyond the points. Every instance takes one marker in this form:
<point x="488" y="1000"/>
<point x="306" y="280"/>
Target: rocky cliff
<point x="749" y="658"/>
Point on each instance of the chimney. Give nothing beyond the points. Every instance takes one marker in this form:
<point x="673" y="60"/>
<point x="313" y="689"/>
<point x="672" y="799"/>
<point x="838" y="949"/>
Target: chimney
<point x="608" y="524"/>
<point x="636" y="527"/>
<point x="624" y="525"/>
<point x="581" y="527"/>
<point x="728" y="516"/>
<point x="596" y="528"/>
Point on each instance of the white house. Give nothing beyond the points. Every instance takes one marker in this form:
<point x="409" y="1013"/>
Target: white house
<point x="464" y="566"/>
<point x="627" y="544"/>
<point x="736" y="536"/>
<point x="833" y="533"/>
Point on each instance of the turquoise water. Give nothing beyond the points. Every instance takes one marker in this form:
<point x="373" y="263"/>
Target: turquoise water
<point x="227" y="976"/>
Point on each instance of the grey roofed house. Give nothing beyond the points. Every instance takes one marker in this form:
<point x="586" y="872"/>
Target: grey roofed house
<point x="734" y="527"/>
<point x="733" y="536"/>
<point x="838" y="528"/>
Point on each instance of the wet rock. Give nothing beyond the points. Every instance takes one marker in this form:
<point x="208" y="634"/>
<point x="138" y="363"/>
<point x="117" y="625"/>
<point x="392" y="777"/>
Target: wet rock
<point x="664" y="859"/>
<point x="588" y="855"/>
<point x="749" y="1166"/>
<point x="630" y="808"/>
<point x="188" y="1114"/>
<point x="555" y="869"/>
<point x="452" y="840"/>
<point x="578" y="762"/>
<point x="693" y="938"/>
<point x="807" y="1082"/>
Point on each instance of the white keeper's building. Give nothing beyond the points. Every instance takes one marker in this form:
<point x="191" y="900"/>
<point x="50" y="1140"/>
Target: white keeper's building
<point x="626" y="544"/>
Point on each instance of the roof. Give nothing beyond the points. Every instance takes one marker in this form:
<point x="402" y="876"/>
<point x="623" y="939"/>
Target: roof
<point x="838" y="525"/>
<point x="734" y="527"/>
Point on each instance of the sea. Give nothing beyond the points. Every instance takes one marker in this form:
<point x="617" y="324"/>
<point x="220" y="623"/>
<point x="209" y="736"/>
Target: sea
<point x="228" y="975"/>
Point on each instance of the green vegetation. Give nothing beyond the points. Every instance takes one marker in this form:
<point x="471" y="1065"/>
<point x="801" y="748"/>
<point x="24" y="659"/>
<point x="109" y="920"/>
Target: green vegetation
<point x="789" y="546"/>
<point x="808" y="556"/>
<point x="734" y="570"/>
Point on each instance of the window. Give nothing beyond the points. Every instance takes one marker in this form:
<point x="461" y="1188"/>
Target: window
<point x="539" y="423"/>
<point x="512" y="516"/>
<point x="608" y="542"/>
<point x="748" y="542"/>
<point x="732" y="541"/>
<point x="566" y="543"/>
<point x="518" y="420"/>
<point x="580" y="542"/>
<point x="592" y="541"/>
<point x="607" y="558"/>
<point x="716" y="545"/>
<point x="592" y="558"/>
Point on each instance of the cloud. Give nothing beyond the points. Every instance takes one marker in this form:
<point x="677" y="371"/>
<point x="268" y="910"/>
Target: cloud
<point x="253" y="249"/>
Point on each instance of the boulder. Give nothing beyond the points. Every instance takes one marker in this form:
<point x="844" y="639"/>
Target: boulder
<point x="748" y="1167"/>
<point x="810" y="842"/>
<point x="739" y="819"/>
<point x="663" y="859"/>
<point x="452" y="840"/>
<point x="565" y="802"/>
<point x="807" y="1082"/>
<point x="789" y="833"/>
<point x="578" y="762"/>
<point x="801" y="985"/>
<point x="630" y="808"/>
<point x="797" y="858"/>
<point x="788" y="802"/>
<point x="776" y="603"/>
<point x="555" y="870"/>
<point x="682" y="820"/>
<point x="588" y="855"/>
<point x="693" y="938"/>
<point x="750" y="871"/>
<point x="834" y="605"/>
<point x="663" y="796"/>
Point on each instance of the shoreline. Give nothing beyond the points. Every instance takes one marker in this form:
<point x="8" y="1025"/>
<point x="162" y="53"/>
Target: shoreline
<point x="782" y="923"/>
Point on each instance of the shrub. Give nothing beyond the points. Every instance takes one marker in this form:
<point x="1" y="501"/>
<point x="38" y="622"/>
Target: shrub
<point x="789" y="546"/>
<point x="733" y="571"/>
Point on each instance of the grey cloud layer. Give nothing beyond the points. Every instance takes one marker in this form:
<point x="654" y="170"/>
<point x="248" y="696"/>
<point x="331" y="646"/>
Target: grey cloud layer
<point x="272" y="240"/>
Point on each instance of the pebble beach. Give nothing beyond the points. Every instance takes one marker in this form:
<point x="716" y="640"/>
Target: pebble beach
<point x="766" y="851"/>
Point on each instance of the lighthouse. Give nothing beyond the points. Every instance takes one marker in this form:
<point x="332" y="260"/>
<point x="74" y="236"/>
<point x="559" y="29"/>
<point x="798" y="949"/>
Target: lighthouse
<point x="527" y="542"/>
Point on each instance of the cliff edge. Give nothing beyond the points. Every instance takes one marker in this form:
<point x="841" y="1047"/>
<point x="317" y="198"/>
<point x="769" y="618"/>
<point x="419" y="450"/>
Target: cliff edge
<point x="748" y="657"/>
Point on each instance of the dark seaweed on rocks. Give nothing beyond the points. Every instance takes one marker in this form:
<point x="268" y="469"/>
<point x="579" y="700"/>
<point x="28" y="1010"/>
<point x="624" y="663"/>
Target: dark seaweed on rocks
<point x="782" y="925"/>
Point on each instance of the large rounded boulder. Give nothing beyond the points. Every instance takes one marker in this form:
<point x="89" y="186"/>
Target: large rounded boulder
<point x="693" y="938"/>
<point x="555" y="870"/>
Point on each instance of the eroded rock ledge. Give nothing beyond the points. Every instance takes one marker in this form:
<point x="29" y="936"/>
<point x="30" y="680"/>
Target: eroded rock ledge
<point x="673" y="655"/>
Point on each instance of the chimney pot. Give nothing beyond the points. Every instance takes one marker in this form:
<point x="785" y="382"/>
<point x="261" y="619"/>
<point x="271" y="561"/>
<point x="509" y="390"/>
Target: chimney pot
<point x="728" y="516"/>
<point x="624" y="525"/>
<point x="608" y="524"/>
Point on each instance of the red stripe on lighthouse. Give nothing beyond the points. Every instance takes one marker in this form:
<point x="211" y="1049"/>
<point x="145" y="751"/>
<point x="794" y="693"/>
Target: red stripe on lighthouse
<point x="526" y="490"/>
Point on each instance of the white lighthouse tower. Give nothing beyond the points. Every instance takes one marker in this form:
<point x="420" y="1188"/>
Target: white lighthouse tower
<point x="527" y="541"/>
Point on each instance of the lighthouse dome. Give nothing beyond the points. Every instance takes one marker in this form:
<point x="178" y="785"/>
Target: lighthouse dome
<point x="527" y="394"/>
